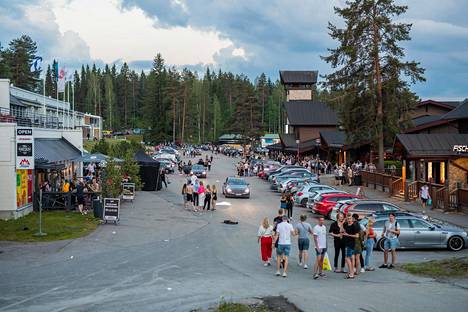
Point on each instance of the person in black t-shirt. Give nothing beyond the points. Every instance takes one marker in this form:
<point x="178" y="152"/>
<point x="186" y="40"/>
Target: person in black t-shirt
<point x="336" y="231"/>
<point x="351" y="233"/>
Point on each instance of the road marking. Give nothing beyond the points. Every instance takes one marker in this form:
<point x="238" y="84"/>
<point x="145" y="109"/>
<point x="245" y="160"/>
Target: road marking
<point x="223" y="204"/>
<point x="29" y="299"/>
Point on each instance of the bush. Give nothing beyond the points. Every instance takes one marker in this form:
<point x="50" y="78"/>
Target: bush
<point x="388" y="163"/>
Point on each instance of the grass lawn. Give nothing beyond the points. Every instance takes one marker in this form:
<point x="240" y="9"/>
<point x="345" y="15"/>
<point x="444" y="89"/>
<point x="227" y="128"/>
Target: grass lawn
<point x="58" y="225"/>
<point x="88" y="145"/>
<point x="238" y="307"/>
<point x="451" y="267"/>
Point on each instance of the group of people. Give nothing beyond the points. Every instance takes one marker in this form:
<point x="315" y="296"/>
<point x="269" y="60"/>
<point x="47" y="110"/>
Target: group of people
<point x="348" y="173"/>
<point x="197" y="196"/>
<point x="351" y="240"/>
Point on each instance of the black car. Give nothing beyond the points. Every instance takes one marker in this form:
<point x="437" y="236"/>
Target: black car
<point x="236" y="187"/>
<point x="199" y="171"/>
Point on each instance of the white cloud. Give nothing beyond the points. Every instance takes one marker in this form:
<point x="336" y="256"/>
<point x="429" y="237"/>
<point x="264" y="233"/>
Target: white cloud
<point x="115" y="33"/>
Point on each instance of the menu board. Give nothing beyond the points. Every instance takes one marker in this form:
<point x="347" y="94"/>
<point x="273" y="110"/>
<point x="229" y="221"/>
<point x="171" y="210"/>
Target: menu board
<point x="111" y="209"/>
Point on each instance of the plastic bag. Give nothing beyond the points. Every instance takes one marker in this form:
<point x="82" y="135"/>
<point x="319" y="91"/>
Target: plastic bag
<point x="326" y="263"/>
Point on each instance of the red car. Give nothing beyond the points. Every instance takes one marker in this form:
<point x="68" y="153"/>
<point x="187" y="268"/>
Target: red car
<point x="324" y="203"/>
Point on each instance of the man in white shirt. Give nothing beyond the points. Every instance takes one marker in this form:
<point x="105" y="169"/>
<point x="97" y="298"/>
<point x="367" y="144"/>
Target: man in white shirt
<point x="284" y="230"/>
<point x="320" y="240"/>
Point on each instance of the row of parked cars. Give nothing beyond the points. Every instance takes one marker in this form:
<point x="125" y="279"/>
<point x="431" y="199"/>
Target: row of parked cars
<point x="168" y="157"/>
<point x="416" y="230"/>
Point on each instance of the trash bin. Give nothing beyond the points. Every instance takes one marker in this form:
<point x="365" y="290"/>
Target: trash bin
<point x="97" y="208"/>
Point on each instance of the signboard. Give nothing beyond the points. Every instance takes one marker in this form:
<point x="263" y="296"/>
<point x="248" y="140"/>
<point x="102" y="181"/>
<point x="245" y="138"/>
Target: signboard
<point x="24" y="148"/>
<point x="128" y="192"/>
<point x="460" y="148"/>
<point x="111" y="209"/>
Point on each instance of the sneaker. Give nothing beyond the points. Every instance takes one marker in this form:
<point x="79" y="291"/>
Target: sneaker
<point x="316" y="276"/>
<point x="265" y="264"/>
<point x="362" y="270"/>
<point x="383" y="266"/>
<point x="370" y="269"/>
<point x="323" y="274"/>
<point x="278" y="273"/>
<point x="268" y="263"/>
<point x="391" y="266"/>
<point x="299" y="263"/>
<point x="305" y="267"/>
<point x="284" y="274"/>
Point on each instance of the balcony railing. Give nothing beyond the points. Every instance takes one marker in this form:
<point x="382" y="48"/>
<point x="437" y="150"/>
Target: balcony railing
<point x="39" y="99"/>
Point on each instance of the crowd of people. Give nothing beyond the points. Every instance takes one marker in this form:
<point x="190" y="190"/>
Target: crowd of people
<point x="352" y="241"/>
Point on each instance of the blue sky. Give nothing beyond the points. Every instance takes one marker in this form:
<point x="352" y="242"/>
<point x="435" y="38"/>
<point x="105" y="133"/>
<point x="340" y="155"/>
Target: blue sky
<point x="242" y="36"/>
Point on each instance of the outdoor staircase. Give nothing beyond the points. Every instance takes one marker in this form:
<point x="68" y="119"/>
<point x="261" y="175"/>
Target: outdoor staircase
<point x="400" y="196"/>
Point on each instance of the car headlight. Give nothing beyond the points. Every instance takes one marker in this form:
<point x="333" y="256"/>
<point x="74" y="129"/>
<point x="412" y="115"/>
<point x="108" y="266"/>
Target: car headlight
<point x="247" y="190"/>
<point x="204" y="172"/>
<point x="228" y="190"/>
<point x="191" y="172"/>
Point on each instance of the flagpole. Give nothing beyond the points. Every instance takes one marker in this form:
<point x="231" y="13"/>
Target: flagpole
<point x="73" y="100"/>
<point x="68" y="105"/>
<point x="43" y="102"/>
<point x="57" y="107"/>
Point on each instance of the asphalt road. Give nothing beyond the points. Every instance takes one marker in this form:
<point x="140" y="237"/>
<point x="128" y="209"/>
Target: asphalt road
<point x="163" y="258"/>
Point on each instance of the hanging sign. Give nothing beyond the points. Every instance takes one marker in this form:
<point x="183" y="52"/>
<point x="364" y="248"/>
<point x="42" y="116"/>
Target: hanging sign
<point x="24" y="148"/>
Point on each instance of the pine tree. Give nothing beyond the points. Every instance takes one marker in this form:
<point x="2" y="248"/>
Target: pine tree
<point x="19" y="57"/>
<point x="369" y="70"/>
<point x="5" y="71"/>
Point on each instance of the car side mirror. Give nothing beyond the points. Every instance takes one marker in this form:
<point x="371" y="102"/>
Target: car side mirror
<point x="432" y="228"/>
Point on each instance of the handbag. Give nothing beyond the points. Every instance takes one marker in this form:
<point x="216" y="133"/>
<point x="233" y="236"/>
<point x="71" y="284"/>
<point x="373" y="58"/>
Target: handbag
<point x="429" y="202"/>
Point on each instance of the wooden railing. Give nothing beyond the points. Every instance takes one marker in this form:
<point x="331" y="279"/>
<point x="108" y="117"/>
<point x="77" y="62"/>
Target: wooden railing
<point x="378" y="178"/>
<point x="462" y="199"/>
<point x="438" y="198"/>
<point x="413" y="190"/>
<point x="396" y="187"/>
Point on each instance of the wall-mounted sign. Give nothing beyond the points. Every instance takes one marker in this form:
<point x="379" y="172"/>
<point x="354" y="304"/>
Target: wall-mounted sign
<point x="460" y="148"/>
<point x="24" y="148"/>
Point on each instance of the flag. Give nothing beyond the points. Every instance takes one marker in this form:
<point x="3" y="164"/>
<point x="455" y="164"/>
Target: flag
<point x="36" y="64"/>
<point x="61" y="80"/>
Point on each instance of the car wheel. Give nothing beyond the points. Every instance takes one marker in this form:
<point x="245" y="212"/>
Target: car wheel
<point x="304" y="202"/>
<point x="455" y="243"/>
<point x="380" y="244"/>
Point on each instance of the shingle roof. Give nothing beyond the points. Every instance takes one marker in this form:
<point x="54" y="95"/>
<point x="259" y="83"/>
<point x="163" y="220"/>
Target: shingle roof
<point x="288" y="140"/>
<point x="418" y="121"/>
<point x="333" y="138"/>
<point x="460" y="112"/>
<point x="426" y="145"/>
<point x="298" y="76"/>
<point x="310" y="113"/>
<point x="270" y="136"/>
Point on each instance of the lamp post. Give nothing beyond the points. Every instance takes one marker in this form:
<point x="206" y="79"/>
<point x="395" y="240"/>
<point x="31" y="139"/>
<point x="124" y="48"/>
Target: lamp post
<point x="297" y="142"/>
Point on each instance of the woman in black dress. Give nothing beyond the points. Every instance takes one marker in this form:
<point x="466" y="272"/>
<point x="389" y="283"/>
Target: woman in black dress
<point x="289" y="204"/>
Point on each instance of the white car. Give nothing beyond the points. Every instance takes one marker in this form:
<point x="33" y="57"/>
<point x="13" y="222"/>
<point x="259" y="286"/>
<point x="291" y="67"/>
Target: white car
<point x="302" y="195"/>
<point x="172" y="157"/>
<point x="339" y="204"/>
<point x="315" y="194"/>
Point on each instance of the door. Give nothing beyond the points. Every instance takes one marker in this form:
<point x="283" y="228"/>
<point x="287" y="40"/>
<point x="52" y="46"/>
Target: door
<point x="407" y="235"/>
<point x="426" y="235"/>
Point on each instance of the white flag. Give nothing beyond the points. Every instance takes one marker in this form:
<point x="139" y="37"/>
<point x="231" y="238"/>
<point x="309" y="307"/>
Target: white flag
<point x="61" y="80"/>
<point x="36" y="64"/>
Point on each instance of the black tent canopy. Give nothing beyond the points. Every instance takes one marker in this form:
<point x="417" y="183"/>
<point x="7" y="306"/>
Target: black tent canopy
<point x="149" y="171"/>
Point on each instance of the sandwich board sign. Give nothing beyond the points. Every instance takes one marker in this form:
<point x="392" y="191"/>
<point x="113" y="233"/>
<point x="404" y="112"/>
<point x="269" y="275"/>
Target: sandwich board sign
<point x="111" y="210"/>
<point x="128" y="191"/>
<point x="24" y="148"/>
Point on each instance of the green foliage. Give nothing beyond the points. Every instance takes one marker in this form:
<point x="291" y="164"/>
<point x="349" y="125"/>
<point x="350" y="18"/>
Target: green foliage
<point x="58" y="225"/>
<point x="132" y="169"/>
<point x="389" y="163"/>
<point x="102" y="147"/>
<point x="112" y="179"/>
<point x="451" y="267"/>
<point x="123" y="148"/>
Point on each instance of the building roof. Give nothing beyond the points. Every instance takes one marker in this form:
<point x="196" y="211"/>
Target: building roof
<point x="275" y="147"/>
<point x="430" y="145"/>
<point x="310" y="113"/>
<point x="288" y="140"/>
<point x="298" y="76"/>
<point x="334" y="139"/>
<point x="54" y="150"/>
<point x="444" y="104"/>
<point x="288" y="143"/>
<point x="271" y="136"/>
<point x="422" y="120"/>
<point x="461" y="112"/>
<point x="15" y="101"/>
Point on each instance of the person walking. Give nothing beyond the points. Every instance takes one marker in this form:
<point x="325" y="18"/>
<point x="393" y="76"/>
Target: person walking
<point x="320" y="241"/>
<point x="189" y="195"/>
<point x="424" y="196"/>
<point x="336" y="231"/>
<point x="283" y="201"/>
<point x="207" y="201"/>
<point x="390" y="233"/>
<point x="284" y="231"/>
<point x="303" y="229"/>
<point x="369" y="243"/>
<point x="350" y="234"/>
<point x="214" y="197"/>
<point x="265" y="238"/>
<point x="289" y="204"/>
<point x="80" y="198"/>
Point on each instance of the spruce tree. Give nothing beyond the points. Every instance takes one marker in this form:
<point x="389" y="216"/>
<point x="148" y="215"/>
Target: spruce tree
<point x="19" y="57"/>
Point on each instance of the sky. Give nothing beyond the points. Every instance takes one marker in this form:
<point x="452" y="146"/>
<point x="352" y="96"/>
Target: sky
<point x="242" y="36"/>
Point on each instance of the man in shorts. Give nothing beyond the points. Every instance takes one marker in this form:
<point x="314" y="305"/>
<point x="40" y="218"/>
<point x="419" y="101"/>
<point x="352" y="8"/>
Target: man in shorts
<point x="303" y="229"/>
<point x="284" y="230"/>
<point x="351" y="233"/>
<point x="390" y="233"/>
<point x="320" y="240"/>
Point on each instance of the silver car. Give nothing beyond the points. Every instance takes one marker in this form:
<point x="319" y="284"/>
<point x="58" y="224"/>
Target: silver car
<point x="236" y="187"/>
<point x="315" y="194"/>
<point x="302" y="196"/>
<point x="417" y="233"/>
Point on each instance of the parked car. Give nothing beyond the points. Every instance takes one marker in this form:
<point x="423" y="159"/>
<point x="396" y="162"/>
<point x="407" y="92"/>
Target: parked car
<point x="339" y="206"/>
<point x="168" y="164"/>
<point x="315" y="194"/>
<point x="199" y="171"/>
<point x="324" y="203"/>
<point x="284" y="171"/>
<point x="281" y="169"/>
<point x="417" y="233"/>
<point x="282" y="186"/>
<point x="294" y="174"/>
<point x="365" y="208"/>
<point x="302" y="195"/>
<point x="236" y="187"/>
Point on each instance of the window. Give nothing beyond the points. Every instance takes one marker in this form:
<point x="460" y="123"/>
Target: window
<point x="404" y="223"/>
<point x="379" y="224"/>
<point x="368" y="207"/>
<point x="387" y="207"/>
<point x="419" y="224"/>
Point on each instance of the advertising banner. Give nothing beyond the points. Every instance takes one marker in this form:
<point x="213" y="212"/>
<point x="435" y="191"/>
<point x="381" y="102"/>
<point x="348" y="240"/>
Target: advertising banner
<point x="24" y="148"/>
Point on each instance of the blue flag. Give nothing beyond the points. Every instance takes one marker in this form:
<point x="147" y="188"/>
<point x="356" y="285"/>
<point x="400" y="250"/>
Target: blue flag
<point x="36" y="64"/>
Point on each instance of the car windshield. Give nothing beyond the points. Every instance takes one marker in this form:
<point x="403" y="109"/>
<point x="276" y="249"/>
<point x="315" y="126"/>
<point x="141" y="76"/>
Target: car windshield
<point x="198" y="167"/>
<point x="236" y="182"/>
